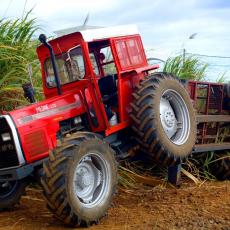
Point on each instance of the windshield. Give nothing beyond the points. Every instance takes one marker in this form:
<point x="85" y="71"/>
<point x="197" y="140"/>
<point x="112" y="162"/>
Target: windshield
<point x="70" y="66"/>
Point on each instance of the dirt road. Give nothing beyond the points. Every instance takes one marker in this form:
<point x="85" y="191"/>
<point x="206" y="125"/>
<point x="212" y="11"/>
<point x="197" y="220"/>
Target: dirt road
<point x="189" y="207"/>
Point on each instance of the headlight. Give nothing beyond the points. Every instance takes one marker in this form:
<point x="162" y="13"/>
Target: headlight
<point x="6" y="137"/>
<point x="77" y="120"/>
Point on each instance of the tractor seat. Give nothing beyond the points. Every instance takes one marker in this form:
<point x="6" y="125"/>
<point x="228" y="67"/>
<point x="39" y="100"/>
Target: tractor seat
<point x="108" y="89"/>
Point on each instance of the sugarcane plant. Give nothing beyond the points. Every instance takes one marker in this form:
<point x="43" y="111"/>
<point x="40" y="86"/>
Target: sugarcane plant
<point x="17" y="52"/>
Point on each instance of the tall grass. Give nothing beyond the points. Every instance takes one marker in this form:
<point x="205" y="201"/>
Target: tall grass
<point x="189" y="67"/>
<point x="17" y="51"/>
<point x="223" y="78"/>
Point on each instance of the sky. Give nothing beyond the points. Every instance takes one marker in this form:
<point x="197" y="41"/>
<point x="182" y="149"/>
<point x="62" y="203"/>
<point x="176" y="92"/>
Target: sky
<point x="165" y="25"/>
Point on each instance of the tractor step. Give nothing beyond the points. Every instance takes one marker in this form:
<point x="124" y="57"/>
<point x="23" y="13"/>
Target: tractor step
<point x="211" y="147"/>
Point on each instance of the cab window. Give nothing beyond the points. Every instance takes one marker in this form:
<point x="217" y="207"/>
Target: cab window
<point x="107" y="61"/>
<point x="94" y="63"/>
<point x="130" y="53"/>
<point x="71" y="67"/>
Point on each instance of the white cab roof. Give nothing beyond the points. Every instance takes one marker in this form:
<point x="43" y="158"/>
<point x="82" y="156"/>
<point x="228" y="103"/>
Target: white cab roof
<point x="115" y="31"/>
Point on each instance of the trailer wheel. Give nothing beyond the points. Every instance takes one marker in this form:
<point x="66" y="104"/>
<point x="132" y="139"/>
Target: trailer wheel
<point x="80" y="179"/>
<point x="10" y="193"/>
<point x="220" y="166"/>
<point x="163" y="118"/>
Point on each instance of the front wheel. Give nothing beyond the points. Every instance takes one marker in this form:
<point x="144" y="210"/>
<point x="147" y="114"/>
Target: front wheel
<point x="10" y="193"/>
<point x="80" y="179"/>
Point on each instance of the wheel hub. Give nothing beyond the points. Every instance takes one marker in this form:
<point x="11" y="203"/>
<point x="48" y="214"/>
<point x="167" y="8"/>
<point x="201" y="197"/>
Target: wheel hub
<point x="90" y="180"/>
<point x="84" y="178"/>
<point x="169" y="118"/>
<point x="174" y="117"/>
<point x="7" y="188"/>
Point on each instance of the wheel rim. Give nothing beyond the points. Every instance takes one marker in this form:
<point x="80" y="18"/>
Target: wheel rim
<point x="175" y="118"/>
<point x="6" y="188"/>
<point x="91" y="180"/>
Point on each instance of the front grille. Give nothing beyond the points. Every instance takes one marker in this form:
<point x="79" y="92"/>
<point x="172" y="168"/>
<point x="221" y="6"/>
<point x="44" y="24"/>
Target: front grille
<point x="8" y="152"/>
<point x="36" y="142"/>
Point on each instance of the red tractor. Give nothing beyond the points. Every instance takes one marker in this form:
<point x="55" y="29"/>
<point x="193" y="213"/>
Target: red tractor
<point x="102" y="103"/>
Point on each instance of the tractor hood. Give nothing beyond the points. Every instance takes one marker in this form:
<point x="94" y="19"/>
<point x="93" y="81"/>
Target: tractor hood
<point x="37" y="125"/>
<point x="55" y="109"/>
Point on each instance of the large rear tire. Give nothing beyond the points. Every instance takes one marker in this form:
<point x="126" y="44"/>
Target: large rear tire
<point x="163" y="118"/>
<point x="10" y="193"/>
<point x="80" y="179"/>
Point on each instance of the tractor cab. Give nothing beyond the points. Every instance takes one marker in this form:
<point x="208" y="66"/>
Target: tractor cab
<point x="105" y="65"/>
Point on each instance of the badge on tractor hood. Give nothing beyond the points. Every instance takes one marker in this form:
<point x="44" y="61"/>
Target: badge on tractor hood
<point x="47" y="110"/>
<point x="44" y="108"/>
<point x="6" y="147"/>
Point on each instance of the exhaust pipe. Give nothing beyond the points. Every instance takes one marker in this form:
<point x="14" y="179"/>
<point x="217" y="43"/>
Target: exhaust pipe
<point x="43" y="40"/>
